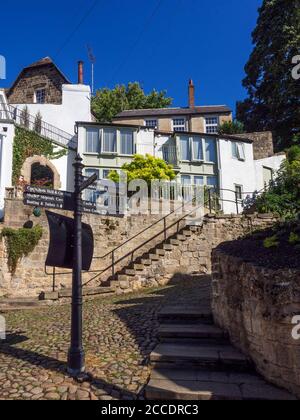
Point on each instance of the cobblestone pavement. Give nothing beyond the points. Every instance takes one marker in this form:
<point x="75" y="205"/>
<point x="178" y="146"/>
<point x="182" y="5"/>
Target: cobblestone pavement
<point x="119" y="335"/>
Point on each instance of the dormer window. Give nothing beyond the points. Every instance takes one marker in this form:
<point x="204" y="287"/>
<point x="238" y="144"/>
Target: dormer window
<point x="40" y="96"/>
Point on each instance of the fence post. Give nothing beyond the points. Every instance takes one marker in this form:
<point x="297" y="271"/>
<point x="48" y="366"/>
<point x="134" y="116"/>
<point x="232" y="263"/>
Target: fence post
<point x="237" y="202"/>
<point x="113" y="263"/>
<point x="165" y="229"/>
<point x="209" y="199"/>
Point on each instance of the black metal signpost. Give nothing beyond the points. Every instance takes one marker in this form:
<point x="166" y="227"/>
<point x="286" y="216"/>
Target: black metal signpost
<point x="62" y="200"/>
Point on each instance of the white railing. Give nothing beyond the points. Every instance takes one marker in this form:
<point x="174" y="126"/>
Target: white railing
<point x="23" y="119"/>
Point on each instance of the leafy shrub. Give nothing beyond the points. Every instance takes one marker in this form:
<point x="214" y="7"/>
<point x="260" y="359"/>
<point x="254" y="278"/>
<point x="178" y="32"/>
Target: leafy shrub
<point x="294" y="238"/>
<point x="231" y="127"/>
<point x="146" y="168"/>
<point x="20" y="243"/>
<point x="271" y="242"/>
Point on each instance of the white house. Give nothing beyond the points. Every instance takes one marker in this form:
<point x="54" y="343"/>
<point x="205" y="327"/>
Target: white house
<point x="42" y="90"/>
<point x="226" y="164"/>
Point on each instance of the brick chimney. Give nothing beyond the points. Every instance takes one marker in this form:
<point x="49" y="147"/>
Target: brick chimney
<point x="191" y="94"/>
<point x="80" y="72"/>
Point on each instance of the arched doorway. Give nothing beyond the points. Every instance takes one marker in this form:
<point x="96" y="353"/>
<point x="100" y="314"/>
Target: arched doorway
<point x="41" y="176"/>
<point x="39" y="171"/>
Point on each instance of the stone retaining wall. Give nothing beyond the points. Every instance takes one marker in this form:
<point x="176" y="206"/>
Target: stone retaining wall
<point x="30" y="278"/>
<point x="256" y="306"/>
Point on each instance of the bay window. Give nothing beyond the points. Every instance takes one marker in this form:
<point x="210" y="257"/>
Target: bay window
<point x="127" y="142"/>
<point x="92" y="141"/>
<point x="109" y="143"/>
<point x="197" y="148"/>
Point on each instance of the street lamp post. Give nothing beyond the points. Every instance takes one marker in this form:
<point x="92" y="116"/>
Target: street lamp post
<point x="76" y="358"/>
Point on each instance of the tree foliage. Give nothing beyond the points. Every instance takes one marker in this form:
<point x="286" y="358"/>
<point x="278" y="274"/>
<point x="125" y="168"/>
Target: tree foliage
<point x="283" y="196"/>
<point x="231" y="127"/>
<point x="109" y="102"/>
<point x="147" y="168"/>
<point x="273" y="101"/>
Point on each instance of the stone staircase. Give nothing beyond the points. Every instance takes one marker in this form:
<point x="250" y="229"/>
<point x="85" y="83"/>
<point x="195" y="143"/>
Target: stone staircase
<point x="195" y="360"/>
<point x="139" y="272"/>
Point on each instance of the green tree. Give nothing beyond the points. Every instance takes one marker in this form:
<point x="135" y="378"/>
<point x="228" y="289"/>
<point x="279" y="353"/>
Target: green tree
<point x="109" y="102"/>
<point x="283" y="196"/>
<point x="147" y="168"/>
<point x="273" y="101"/>
<point x="231" y="127"/>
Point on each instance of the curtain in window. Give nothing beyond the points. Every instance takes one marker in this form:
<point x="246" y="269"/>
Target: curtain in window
<point x="210" y="150"/>
<point x="127" y="143"/>
<point x="197" y="146"/>
<point x="92" y="141"/>
<point x="185" y="148"/>
<point x="109" y="141"/>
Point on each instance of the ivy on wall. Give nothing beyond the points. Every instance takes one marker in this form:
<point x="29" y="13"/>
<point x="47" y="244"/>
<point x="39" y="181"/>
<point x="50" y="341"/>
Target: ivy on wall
<point x="20" y="243"/>
<point x="28" y="144"/>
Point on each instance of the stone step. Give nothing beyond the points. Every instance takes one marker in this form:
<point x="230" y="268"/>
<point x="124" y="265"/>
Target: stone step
<point x="130" y="272"/>
<point x="154" y="257"/>
<point x="186" y="313"/>
<point x="138" y="267"/>
<point x="174" y="242"/>
<point x="187" y="233"/>
<point x="22" y="303"/>
<point x="67" y="293"/>
<point x="195" y="385"/>
<point x="185" y="332"/>
<point x="160" y="252"/>
<point x="206" y="357"/>
<point x="146" y="262"/>
<point x="168" y="247"/>
<point x="181" y="238"/>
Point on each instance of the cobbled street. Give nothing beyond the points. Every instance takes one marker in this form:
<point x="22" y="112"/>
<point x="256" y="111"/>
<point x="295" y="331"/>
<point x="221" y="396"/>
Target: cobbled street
<point x="119" y="335"/>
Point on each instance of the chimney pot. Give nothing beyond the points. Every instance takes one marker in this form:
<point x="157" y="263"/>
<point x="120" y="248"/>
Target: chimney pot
<point x="80" y="72"/>
<point x="191" y="94"/>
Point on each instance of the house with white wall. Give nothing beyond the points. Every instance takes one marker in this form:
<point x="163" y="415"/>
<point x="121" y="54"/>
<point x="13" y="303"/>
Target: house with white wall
<point x="43" y="100"/>
<point x="225" y="164"/>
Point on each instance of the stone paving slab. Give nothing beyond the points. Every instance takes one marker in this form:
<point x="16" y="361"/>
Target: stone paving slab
<point x="119" y="335"/>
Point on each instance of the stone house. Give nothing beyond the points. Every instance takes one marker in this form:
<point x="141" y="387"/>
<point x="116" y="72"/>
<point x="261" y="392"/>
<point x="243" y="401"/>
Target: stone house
<point x="202" y="119"/>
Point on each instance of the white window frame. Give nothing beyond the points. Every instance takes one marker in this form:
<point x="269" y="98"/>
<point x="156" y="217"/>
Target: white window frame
<point x="120" y="137"/>
<point x="36" y="92"/>
<point x="239" y="151"/>
<point x="211" y="125"/>
<point x="236" y="186"/>
<point x="99" y="141"/>
<point x="190" y="149"/>
<point x="105" y="152"/>
<point x="147" y="120"/>
<point x="202" y="141"/>
<point x="179" y="125"/>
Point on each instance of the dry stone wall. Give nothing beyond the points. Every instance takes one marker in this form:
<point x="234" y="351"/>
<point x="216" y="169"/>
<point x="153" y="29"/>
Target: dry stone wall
<point x="256" y="306"/>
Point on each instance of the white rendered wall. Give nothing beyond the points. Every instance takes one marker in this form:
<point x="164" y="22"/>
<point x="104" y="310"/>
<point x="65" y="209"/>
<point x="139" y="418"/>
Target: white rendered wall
<point x="273" y="162"/>
<point x="7" y="134"/>
<point x="235" y="172"/>
<point x="76" y="106"/>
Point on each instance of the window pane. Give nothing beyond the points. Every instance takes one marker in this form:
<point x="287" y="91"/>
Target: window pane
<point x="90" y="172"/>
<point x="210" y="150"/>
<point x="179" y="124"/>
<point x="212" y="182"/>
<point x="197" y="145"/>
<point x="105" y="173"/>
<point x="126" y="142"/>
<point x="109" y="141"/>
<point x="151" y="124"/>
<point x="185" y="148"/>
<point x="241" y="151"/>
<point x="92" y="141"/>
<point x="186" y="179"/>
<point x="199" y="180"/>
<point x="239" y="192"/>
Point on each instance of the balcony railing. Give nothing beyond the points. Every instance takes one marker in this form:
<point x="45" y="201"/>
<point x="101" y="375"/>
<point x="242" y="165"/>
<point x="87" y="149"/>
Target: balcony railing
<point x="23" y="119"/>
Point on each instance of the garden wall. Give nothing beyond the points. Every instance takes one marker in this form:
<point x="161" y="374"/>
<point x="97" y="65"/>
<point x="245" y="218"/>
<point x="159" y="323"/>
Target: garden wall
<point x="30" y="278"/>
<point x="256" y="306"/>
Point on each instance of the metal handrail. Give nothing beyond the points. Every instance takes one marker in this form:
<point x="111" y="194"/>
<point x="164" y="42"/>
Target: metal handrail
<point x="43" y="129"/>
<point x="132" y="252"/>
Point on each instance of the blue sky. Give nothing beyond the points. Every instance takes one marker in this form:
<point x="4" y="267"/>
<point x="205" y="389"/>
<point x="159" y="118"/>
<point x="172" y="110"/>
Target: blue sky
<point x="160" y="43"/>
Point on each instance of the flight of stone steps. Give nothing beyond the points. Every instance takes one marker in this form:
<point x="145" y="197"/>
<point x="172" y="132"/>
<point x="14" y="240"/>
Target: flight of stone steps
<point x="141" y="268"/>
<point x="195" y="361"/>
